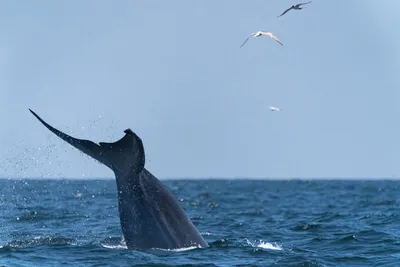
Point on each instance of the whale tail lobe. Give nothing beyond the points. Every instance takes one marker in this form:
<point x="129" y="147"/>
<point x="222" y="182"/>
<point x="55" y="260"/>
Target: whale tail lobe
<point x="124" y="155"/>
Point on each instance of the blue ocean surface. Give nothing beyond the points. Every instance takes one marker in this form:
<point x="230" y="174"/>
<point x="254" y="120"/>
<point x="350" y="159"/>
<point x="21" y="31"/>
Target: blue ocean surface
<point x="246" y="223"/>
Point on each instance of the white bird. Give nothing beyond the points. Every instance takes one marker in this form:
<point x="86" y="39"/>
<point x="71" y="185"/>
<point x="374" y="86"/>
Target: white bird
<point x="259" y="33"/>
<point x="274" y="109"/>
<point x="296" y="7"/>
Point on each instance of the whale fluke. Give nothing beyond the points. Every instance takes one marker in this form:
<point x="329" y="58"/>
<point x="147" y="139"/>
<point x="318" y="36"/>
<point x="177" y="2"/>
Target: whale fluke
<point x="88" y="147"/>
<point x="150" y="216"/>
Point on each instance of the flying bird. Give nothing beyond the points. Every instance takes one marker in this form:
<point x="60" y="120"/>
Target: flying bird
<point x="296" y="7"/>
<point x="274" y="109"/>
<point x="259" y="33"/>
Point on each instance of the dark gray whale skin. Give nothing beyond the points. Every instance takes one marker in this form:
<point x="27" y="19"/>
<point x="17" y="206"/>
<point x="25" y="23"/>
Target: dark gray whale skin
<point x="150" y="215"/>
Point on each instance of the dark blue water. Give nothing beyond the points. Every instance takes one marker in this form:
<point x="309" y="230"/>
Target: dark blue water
<point x="247" y="223"/>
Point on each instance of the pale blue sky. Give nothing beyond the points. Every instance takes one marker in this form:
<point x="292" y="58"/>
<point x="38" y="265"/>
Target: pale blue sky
<point x="172" y="71"/>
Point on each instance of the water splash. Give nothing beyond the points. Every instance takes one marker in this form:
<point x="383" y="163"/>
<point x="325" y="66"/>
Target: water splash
<point x="264" y="245"/>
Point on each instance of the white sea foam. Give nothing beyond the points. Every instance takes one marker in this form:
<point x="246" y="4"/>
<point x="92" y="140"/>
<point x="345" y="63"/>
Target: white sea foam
<point x="264" y="245"/>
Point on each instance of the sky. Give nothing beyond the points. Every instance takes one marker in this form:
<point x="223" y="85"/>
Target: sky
<point x="173" y="72"/>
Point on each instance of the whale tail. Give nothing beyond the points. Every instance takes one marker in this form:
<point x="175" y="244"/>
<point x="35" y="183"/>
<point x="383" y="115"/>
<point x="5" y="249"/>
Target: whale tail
<point x="124" y="155"/>
<point x="150" y="216"/>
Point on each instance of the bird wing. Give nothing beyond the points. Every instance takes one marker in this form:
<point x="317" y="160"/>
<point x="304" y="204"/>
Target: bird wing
<point x="273" y="37"/>
<point x="284" y="12"/>
<point x="276" y="39"/>
<point x="245" y="41"/>
<point x="303" y="4"/>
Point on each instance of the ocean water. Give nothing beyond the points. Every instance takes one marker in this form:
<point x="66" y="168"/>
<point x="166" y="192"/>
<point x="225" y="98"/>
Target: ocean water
<point x="246" y="223"/>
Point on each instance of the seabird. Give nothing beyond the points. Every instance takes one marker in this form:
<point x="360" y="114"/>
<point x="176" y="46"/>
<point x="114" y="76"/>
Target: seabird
<point x="296" y="7"/>
<point x="259" y="33"/>
<point x="274" y="109"/>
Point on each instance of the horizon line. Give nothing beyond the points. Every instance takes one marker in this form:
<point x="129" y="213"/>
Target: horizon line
<point x="210" y="178"/>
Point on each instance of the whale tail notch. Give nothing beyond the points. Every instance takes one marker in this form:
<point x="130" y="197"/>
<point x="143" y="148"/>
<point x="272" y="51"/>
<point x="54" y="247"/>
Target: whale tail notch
<point x="124" y="155"/>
